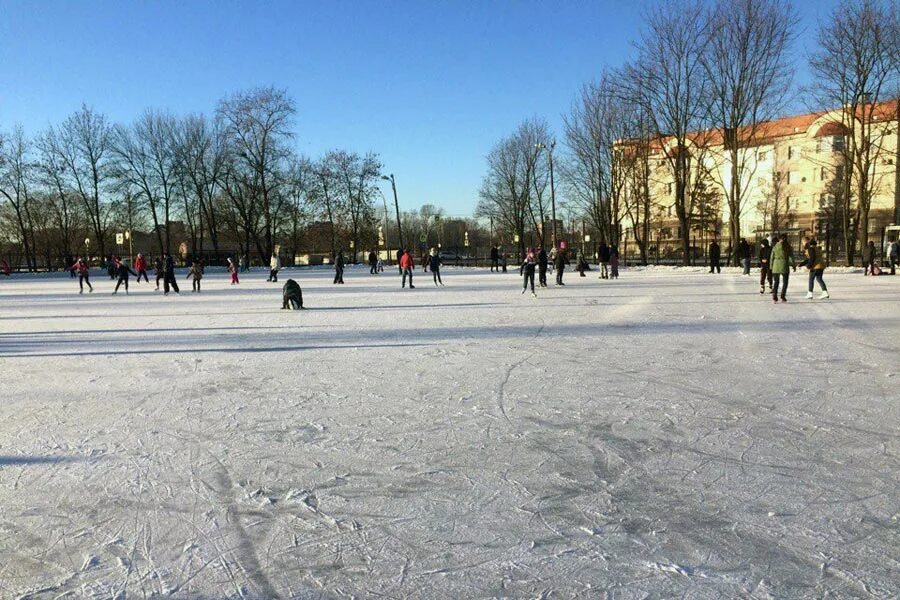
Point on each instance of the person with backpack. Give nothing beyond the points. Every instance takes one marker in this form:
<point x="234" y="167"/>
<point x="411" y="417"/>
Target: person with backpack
<point x="195" y="273"/>
<point x="782" y="258"/>
<point x="815" y="264"/>
<point x="528" y="271"/>
<point x="140" y="265"/>
<point x="84" y="275"/>
<point x="765" y="272"/>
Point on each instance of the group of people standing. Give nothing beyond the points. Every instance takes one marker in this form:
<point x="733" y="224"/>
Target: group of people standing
<point x="121" y="273"/>
<point x="776" y="262"/>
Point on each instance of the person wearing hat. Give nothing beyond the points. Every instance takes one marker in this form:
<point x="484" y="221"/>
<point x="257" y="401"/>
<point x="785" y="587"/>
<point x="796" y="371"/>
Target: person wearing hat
<point x="434" y="263"/>
<point x="815" y="264"/>
<point x="140" y="265"/>
<point x="528" y="271"/>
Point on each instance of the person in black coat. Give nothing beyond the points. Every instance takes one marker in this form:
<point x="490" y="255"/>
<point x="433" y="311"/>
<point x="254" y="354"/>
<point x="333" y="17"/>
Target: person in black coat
<point x="495" y="259"/>
<point x="373" y="262"/>
<point x="542" y="267"/>
<point x="715" y="255"/>
<point x="434" y="264"/>
<point x="745" y="252"/>
<point x="169" y="276"/>
<point x="339" y="267"/>
<point x="603" y="254"/>
<point x="122" y="273"/>
<point x="291" y="296"/>
<point x="560" y="263"/>
<point x="765" y="270"/>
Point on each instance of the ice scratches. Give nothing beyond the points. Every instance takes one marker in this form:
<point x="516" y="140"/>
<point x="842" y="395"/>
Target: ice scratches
<point x="677" y="569"/>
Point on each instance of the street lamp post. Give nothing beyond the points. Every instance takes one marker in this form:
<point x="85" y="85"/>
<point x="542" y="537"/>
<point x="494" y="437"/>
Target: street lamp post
<point x="385" y="238"/>
<point x="549" y="149"/>
<point x="130" y="245"/>
<point x="396" y="205"/>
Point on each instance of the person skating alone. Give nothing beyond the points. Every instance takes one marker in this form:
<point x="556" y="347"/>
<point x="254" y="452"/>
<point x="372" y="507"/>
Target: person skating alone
<point x="580" y="263"/>
<point x="339" y="268"/>
<point x="560" y="263"/>
<point x="603" y="254"/>
<point x="274" y="267"/>
<point x="744" y="252"/>
<point x="160" y="271"/>
<point x="613" y="262"/>
<point x="233" y="269"/>
<point x="528" y="272"/>
<point x="869" y="255"/>
<point x="715" y="255"/>
<point x="373" y="263"/>
<point x="169" y="279"/>
<point x="782" y="258"/>
<point x="140" y="265"/>
<point x="407" y="266"/>
<point x="195" y="274"/>
<point x="765" y="272"/>
<point x="291" y="296"/>
<point x="815" y="264"/>
<point x="434" y="263"/>
<point x="84" y="275"/>
<point x="542" y="267"/>
<point x="122" y="273"/>
<point x="894" y="256"/>
<point x="495" y="259"/>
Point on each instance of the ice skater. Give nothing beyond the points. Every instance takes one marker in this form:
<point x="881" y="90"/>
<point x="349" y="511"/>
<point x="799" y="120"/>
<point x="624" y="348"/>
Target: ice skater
<point x="495" y="259"/>
<point x="233" y="269"/>
<point x="122" y="273"/>
<point x="528" y="271"/>
<point x="815" y="263"/>
<point x="169" y="277"/>
<point x="869" y="254"/>
<point x="140" y="265"/>
<point x="613" y="262"/>
<point x="339" y="268"/>
<point x="160" y="271"/>
<point x="84" y="275"/>
<point x="604" y="255"/>
<point x="782" y="262"/>
<point x="373" y="263"/>
<point x="560" y="263"/>
<point x="291" y="296"/>
<point x="715" y="255"/>
<point x="407" y="266"/>
<point x="196" y="274"/>
<point x="542" y="267"/>
<point x="434" y="263"/>
<point x="744" y="251"/>
<point x="765" y="272"/>
<point x="274" y="267"/>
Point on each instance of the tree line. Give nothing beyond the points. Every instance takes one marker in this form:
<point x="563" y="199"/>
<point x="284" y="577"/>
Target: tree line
<point x="231" y="180"/>
<point x="704" y="78"/>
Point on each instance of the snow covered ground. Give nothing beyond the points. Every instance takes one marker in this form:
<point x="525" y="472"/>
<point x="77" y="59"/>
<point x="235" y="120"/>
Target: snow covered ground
<point x="669" y="434"/>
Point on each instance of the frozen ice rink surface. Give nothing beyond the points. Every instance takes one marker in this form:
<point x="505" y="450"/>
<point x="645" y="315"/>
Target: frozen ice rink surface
<point x="670" y="434"/>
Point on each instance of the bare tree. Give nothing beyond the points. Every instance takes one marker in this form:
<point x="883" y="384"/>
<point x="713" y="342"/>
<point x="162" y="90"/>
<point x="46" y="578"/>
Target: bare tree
<point x="505" y="189"/>
<point x="16" y="173"/>
<point x="747" y="66"/>
<point x="669" y="80"/>
<point x="257" y="125"/>
<point x="84" y="145"/>
<point x="63" y="204"/>
<point x="356" y="177"/>
<point x="855" y="68"/>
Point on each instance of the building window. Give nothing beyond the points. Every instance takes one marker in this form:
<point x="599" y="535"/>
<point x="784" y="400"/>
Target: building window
<point x="669" y="188"/>
<point x="787" y="202"/>
<point x="793" y="177"/>
<point x="837" y="143"/>
<point x="839" y="173"/>
<point x="762" y="155"/>
<point x="823" y="174"/>
<point x="790" y="152"/>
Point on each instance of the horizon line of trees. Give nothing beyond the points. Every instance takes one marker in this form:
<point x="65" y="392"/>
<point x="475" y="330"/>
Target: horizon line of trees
<point x="704" y="80"/>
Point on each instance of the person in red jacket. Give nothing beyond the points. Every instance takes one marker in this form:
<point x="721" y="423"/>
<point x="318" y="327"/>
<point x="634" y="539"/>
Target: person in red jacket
<point x="84" y="275"/>
<point x="140" y="265"/>
<point x="406" y="267"/>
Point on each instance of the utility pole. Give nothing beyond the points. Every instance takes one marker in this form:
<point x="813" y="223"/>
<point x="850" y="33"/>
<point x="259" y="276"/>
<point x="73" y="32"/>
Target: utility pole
<point x="549" y="149"/>
<point x="396" y="205"/>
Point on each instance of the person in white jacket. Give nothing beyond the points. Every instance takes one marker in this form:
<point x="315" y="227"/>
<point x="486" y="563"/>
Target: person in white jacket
<point x="274" y="267"/>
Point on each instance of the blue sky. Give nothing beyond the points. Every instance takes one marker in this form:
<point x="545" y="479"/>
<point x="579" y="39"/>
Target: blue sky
<point x="430" y="86"/>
